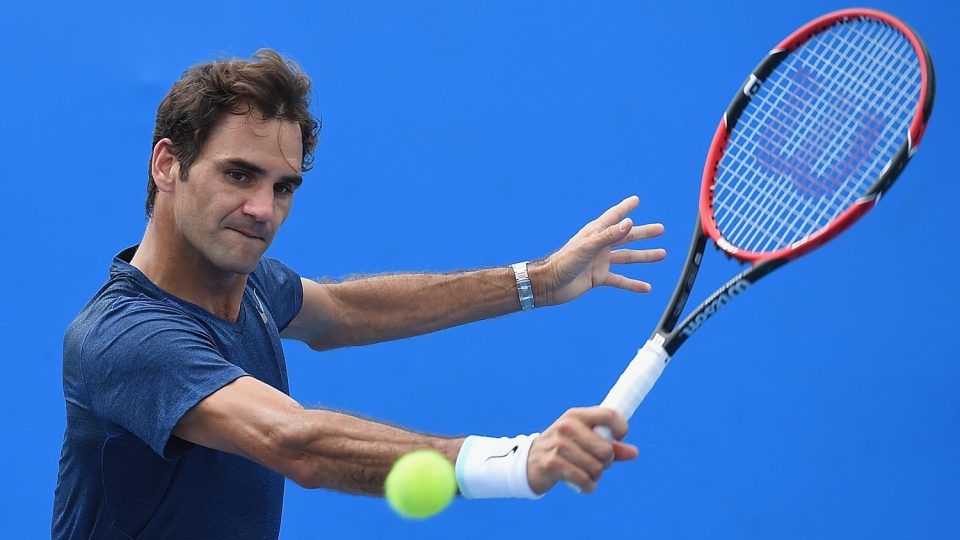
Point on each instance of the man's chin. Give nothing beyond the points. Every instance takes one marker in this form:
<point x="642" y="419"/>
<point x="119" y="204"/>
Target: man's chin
<point x="240" y="264"/>
<point x="244" y="270"/>
<point x="245" y="266"/>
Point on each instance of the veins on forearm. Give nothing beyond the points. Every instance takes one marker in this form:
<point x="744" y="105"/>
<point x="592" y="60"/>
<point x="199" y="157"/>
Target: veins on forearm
<point x="354" y="455"/>
<point x="391" y="306"/>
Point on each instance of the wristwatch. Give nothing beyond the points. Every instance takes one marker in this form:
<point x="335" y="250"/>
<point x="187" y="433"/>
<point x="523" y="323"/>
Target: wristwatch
<point x="524" y="289"/>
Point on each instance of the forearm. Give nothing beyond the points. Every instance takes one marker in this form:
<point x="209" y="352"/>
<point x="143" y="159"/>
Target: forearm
<point x="349" y="454"/>
<point x="385" y="307"/>
<point x="315" y="448"/>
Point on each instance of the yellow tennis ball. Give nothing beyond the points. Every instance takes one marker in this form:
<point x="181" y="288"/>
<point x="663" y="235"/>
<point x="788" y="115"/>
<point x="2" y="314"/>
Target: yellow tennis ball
<point x="420" y="484"/>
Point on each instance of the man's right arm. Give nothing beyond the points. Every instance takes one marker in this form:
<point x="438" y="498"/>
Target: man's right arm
<point x="318" y="448"/>
<point x="314" y="448"/>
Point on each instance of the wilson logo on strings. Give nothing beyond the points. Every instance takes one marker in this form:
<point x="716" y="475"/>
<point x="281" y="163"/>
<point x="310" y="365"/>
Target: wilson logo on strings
<point x="799" y="150"/>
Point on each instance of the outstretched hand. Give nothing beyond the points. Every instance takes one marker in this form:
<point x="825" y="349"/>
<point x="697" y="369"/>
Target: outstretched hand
<point x="585" y="261"/>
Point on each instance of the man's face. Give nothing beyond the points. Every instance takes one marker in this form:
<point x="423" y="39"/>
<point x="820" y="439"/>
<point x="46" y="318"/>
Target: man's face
<point x="239" y="191"/>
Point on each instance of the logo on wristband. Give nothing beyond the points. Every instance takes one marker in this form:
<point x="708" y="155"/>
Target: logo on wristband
<point x="512" y="450"/>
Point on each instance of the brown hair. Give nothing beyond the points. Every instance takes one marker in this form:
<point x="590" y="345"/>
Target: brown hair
<point x="270" y="85"/>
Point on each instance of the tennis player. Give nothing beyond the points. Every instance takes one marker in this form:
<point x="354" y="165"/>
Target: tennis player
<point x="179" y="422"/>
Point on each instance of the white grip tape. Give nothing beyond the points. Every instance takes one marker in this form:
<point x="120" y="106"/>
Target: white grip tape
<point x="637" y="380"/>
<point x="633" y="385"/>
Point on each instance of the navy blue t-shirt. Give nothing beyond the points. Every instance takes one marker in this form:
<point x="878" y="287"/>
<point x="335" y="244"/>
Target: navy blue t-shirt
<point x="135" y="360"/>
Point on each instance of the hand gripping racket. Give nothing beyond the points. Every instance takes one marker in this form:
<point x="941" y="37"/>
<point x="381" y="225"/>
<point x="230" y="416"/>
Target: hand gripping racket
<point x="811" y="141"/>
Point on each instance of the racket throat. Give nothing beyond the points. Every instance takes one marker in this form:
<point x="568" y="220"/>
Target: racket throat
<point x="713" y="305"/>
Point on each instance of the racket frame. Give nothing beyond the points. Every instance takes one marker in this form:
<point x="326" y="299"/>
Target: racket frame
<point x="671" y="335"/>
<point x="750" y="86"/>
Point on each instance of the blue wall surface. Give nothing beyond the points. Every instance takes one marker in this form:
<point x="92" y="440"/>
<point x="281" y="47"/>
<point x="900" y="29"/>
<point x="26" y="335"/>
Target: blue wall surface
<point x="823" y="403"/>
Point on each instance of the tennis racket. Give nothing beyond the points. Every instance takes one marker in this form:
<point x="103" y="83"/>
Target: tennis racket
<point x="811" y="141"/>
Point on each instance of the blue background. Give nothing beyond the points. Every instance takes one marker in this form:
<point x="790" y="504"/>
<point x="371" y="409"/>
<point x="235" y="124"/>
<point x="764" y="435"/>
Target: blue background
<point x="822" y="403"/>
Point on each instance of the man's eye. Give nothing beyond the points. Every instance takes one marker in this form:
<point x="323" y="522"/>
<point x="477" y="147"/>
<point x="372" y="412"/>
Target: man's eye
<point x="238" y="176"/>
<point x="285" y="189"/>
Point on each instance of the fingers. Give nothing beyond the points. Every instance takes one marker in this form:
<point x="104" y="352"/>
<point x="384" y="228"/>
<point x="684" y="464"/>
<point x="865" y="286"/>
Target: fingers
<point x="570" y="450"/>
<point x="643" y="232"/>
<point x="612" y="235"/>
<point x="624" y="232"/>
<point x="618" y="212"/>
<point x="583" y="455"/>
<point x="613" y="228"/>
<point x="602" y="416"/>
<point x="627" y="284"/>
<point x="630" y="256"/>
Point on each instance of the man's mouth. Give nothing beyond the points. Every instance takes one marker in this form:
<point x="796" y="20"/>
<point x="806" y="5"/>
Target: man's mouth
<point x="248" y="233"/>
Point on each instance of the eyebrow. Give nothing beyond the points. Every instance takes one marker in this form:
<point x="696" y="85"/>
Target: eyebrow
<point x="295" y="179"/>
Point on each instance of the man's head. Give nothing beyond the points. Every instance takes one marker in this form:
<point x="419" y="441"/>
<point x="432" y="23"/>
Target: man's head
<point x="231" y="141"/>
<point x="206" y="93"/>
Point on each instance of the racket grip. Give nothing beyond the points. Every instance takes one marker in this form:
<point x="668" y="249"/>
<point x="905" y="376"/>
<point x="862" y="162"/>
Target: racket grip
<point x="633" y="385"/>
<point x="636" y="381"/>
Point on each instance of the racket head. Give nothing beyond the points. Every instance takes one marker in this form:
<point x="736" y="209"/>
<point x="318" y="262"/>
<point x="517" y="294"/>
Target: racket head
<point x="817" y="133"/>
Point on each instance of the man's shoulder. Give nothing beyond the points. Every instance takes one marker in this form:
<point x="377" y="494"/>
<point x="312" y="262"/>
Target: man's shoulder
<point x="270" y="270"/>
<point x="121" y="305"/>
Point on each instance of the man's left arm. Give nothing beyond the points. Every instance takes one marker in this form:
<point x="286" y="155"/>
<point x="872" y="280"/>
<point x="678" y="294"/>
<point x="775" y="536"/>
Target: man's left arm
<point x="385" y="307"/>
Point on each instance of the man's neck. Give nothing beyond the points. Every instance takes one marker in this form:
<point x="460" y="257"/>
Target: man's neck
<point x="186" y="274"/>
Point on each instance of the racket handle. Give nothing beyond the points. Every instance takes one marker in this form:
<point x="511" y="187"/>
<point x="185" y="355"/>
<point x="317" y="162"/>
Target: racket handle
<point x="636" y="381"/>
<point x="633" y="385"/>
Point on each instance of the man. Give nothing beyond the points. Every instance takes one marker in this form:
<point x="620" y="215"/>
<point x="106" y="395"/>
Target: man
<point x="178" y="420"/>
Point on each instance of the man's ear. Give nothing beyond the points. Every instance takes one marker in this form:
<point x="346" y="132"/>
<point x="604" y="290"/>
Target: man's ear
<point x="164" y="165"/>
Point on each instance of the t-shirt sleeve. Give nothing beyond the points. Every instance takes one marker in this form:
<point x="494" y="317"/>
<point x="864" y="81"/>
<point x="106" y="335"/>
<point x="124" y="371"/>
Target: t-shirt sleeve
<point x="281" y="288"/>
<point x="145" y="364"/>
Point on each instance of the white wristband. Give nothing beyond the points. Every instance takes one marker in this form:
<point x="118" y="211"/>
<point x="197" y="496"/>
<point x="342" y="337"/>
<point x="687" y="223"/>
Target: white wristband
<point x="495" y="468"/>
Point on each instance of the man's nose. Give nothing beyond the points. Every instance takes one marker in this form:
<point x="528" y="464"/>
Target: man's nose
<point x="260" y="203"/>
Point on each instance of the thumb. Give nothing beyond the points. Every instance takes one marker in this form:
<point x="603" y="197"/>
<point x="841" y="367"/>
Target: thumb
<point x="611" y="235"/>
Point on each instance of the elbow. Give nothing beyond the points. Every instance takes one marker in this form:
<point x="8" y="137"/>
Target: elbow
<point x="319" y="345"/>
<point x="330" y="340"/>
<point x="304" y="472"/>
<point x="306" y="480"/>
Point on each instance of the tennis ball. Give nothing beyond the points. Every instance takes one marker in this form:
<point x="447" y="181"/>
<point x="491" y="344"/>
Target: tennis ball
<point x="420" y="484"/>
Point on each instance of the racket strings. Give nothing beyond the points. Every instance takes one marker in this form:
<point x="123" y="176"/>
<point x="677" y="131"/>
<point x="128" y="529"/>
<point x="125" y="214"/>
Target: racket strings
<point x="801" y="158"/>
<point x="874" y="81"/>
<point x="816" y="135"/>
<point x="815" y="142"/>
